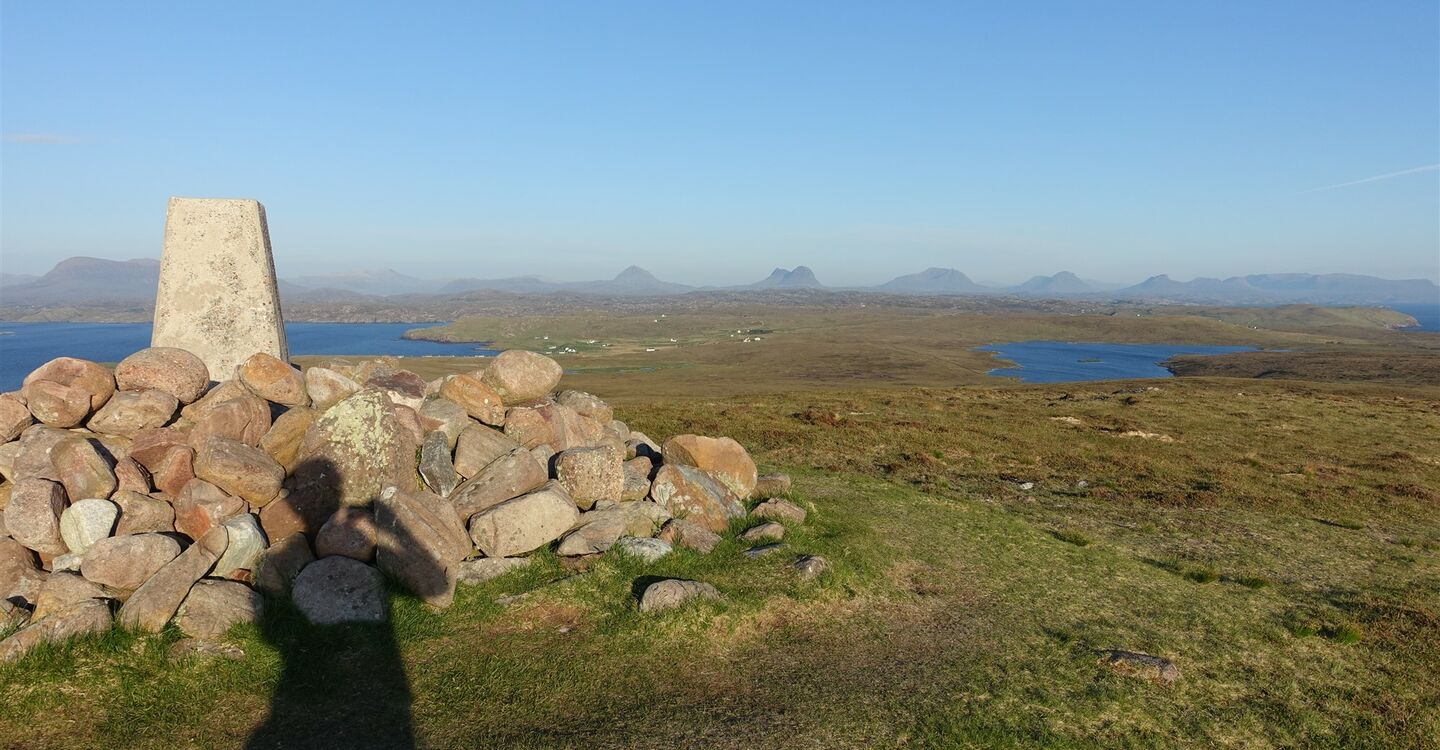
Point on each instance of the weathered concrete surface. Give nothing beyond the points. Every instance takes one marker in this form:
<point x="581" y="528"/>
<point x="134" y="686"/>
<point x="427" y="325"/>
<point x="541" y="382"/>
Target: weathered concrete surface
<point x="218" y="296"/>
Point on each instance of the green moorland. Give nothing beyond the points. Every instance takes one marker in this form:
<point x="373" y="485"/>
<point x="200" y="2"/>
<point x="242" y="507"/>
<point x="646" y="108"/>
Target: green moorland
<point x="1278" y="539"/>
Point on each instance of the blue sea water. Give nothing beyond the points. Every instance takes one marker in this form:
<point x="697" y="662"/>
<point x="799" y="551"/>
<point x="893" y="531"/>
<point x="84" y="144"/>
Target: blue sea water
<point x="1427" y="315"/>
<point x="1071" y="362"/>
<point x="25" y="346"/>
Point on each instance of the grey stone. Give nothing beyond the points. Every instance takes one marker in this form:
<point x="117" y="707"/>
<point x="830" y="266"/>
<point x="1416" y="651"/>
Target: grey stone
<point x="688" y="492"/>
<point x="279" y="564"/>
<point x="420" y="543"/>
<point x="435" y="465"/>
<point x="213" y="607"/>
<point x="128" y="412"/>
<point x="127" y="562"/>
<point x="66" y="563"/>
<point x="689" y="534"/>
<point x="779" y="510"/>
<point x="217" y="296"/>
<point x="86" y="522"/>
<point x="477" y="446"/>
<point x="335" y="590"/>
<point x="445" y="416"/>
<point x="328" y="387"/>
<point x="480" y="570"/>
<point x="811" y="567"/>
<point x="772" y="531"/>
<point x="772" y="485"/>
<point x="590" y="474"/>
<point x="89" y="616"/>
<point x="596" y="532"/>
<point x="643" y="548"/>
<point x="524" y="524"/>
<point x="673" y="592"/>
<point x="155" y="602"/>
<point x="246" y="542"/>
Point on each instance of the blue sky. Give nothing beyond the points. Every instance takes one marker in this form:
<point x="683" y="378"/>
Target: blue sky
<point x="709" y="142"/>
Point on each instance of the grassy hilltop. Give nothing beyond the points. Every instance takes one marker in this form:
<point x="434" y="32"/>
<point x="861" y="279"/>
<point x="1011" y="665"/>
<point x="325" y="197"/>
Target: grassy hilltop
<point x="1278" y="539"/>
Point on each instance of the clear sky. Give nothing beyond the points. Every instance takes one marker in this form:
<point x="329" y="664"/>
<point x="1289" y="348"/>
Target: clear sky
<point x="710" y="142"/>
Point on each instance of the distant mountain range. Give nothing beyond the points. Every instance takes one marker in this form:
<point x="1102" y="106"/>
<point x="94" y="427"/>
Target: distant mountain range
<point x="96" y="281"/>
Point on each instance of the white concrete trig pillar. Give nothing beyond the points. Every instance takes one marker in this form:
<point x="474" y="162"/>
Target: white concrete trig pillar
<point x="218" y="296"/>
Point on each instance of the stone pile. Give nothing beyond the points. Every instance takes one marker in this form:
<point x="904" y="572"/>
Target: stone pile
<point x="153" y="495"/>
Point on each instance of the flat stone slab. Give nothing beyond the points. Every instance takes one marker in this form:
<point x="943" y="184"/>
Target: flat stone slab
<point x="218" y="297"/>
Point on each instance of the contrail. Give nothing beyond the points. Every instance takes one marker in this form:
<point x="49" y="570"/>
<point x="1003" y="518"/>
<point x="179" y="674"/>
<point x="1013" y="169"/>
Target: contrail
<point x="1376" y="178"/>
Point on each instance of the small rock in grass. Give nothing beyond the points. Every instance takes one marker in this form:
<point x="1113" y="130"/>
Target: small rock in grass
<point x="674" y="592"/>
<point x="188" y="648"/>
<point x="762" y="550"/>
<point x="1141" y="665"/>
<point x="767" y="531"/>
<point x="643" y="548"/>
<point x="473" y="572"/>
<point x="779" y="510"/>
<point x="772" y="485"/>
<point x="688" y="534"/>
<point x="811" y="567"/>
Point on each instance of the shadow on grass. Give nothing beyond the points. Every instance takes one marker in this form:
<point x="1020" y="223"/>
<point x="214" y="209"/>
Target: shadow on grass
<point x="344" y="685"/>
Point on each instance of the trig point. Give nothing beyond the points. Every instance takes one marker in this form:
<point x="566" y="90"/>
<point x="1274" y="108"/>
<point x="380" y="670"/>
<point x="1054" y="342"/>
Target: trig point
<point x="218" y="297"/>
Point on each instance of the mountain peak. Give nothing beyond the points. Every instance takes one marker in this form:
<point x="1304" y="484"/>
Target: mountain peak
<point x="635" y="273"/>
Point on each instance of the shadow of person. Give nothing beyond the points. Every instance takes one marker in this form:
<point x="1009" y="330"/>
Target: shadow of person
<point x="344" y="685"/>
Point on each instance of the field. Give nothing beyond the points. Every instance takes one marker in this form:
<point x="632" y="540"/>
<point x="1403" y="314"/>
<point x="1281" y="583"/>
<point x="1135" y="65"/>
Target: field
<point x="1278" y="539"/>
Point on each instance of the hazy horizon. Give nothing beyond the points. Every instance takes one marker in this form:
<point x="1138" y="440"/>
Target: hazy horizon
<point x="711" y="144"/>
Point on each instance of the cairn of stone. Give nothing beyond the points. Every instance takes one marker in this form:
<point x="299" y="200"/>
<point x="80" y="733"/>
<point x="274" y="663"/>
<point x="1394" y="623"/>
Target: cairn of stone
<point x="151" y="495"/>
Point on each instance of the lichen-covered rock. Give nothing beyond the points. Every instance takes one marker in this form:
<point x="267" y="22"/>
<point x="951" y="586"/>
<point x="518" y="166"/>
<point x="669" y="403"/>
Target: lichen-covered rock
<point x="212" y="607"/>
<point x="14" y="418"/>
<point x="33" y="515"/>
<point x="421" y="542"/>
<point x="239" y="469"/>
<point x="65" y="390"/>
<point x="436" y="467"/>
<point x="155" y="602"/>
<point x="335" y="590"/>
<point x="362" y="444"/>
<point x="88" y="616"/>
<point x="477" y="446"/>
<point x="245" y="542"/>
<point x="673" y="593"/>
<point x="328" y="387"/>
<point x="478" y="399"/>
<point x="520" y="376"/>
<point x="128" y="412"/>
<point x="82" y="469"/>
<point x="273" y="379"/>
<point x="688" y="492"/>
<point x="350" y="532"/>
<point x="86" y="522"/>
<point x="287" y="432"/>
<point x="508" y="476"/>
<point x="590" y="475"/>
<point x="524" y="524"/>
<point x="174" y="371"/>
<point x="722" y="458"/>
<point x="127" y="562"/>
<point x="202" y="506"/>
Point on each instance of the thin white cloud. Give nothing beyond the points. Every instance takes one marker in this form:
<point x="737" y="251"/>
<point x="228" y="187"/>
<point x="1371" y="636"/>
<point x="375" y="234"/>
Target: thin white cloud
<point x="42" y="139"/>
<point x="1376" y="178"/>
